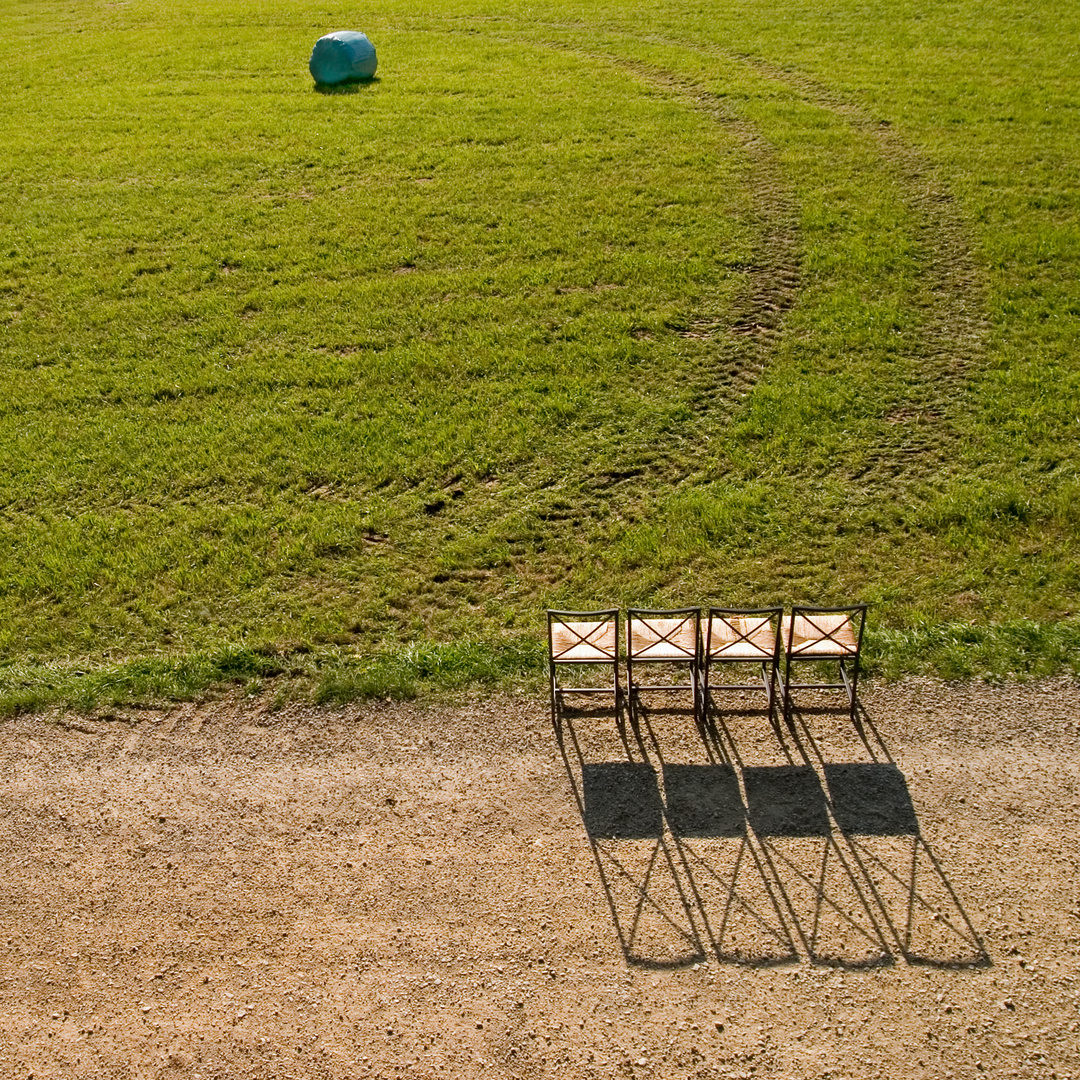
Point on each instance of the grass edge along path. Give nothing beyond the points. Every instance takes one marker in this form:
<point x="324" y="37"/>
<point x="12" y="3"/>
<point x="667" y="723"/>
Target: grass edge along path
<point x="324" y="676"/>
<point x="1018" y="649"/>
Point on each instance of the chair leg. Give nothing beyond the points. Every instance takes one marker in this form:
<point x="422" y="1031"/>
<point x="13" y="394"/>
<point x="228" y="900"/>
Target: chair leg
<point x="851" y="683"/>
<point x="555" y="725"/>
<point x="768" y="678"/>
<point x="694" y="694"/>
<point x="787" y="691"/>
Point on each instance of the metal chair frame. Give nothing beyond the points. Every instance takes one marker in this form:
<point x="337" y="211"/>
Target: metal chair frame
<point x="835" y="649"/>
<point x="750" y="637"/>
<point x="593" y="630"/>
<point x="683" y="619"/>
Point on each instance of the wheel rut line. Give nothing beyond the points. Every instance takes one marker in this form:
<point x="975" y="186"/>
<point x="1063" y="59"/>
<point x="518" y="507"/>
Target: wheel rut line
<point x="744" y="336"/>
<point x="955" y="324"/>
<point x="951" y="345"/>
<point x="731" y="349"/>
<point x="740" y="340"/>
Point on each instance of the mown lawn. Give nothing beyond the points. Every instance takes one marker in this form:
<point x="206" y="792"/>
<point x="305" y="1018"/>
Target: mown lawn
<point x="565" y="308"/>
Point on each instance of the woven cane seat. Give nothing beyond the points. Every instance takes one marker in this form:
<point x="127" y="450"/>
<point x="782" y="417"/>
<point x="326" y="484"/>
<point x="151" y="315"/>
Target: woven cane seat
<point x="663" y="639"/>
<point x="823" y="635"/>
<point x="583" y="642"/>
<point x="738" y="637"/>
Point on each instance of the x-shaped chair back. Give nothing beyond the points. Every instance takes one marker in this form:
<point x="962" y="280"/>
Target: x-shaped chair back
<point x="742" y="636"/>
<point x="814" y="633"/>
<point x="663" y="637"/>
<point x="583" y="637"/>
<point x="823" y="633"/>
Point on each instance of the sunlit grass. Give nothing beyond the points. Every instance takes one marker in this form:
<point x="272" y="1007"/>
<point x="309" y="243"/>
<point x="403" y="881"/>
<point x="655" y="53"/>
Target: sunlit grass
<point x="289" y="373"/>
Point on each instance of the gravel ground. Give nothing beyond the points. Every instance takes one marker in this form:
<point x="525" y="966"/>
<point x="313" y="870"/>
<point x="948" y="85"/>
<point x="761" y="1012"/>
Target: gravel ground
<point x="421" y="890"/>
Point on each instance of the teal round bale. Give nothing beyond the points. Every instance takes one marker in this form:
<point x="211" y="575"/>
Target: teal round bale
<point x="342" y="57"/>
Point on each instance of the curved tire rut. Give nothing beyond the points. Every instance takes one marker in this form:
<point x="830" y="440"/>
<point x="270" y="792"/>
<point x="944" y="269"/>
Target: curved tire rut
<point x="919" y="429"/>
<point x="953" y="323"/>
<point x="742" y="338"/>
<point x="950" y="340"/>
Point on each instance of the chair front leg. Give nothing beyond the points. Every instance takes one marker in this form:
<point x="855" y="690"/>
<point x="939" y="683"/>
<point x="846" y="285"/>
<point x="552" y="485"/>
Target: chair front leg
<point x="554" y="705"/>
<point x="768" y="677"/>
<point x="694" y="692"/>
<point x="787" y="690"/>
<point x="703" y="686"/>
<point x="851" y="683"/>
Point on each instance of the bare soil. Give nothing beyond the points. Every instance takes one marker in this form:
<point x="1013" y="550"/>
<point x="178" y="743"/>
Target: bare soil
<point x="223" y="890"/>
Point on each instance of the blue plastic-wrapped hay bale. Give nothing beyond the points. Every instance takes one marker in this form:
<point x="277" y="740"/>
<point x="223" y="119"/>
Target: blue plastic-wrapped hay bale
<point x="341" y="57"/>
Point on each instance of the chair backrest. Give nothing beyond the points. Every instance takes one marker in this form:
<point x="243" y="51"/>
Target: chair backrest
<point x="743" y="633"/>
<point x="825" y="632"/>
<point x="583" y="637"/>
<point x="663" y="636"/>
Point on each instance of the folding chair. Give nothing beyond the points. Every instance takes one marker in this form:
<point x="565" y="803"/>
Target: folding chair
<point x="742" y="636"/>
<point x="577" y="638"/>
<point x="663" y="637"/>
<point x="817" y="634"/>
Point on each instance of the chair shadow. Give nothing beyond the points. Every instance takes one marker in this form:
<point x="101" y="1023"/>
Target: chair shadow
<point x="876" y="817"/>
<point x="704" y="812"/>
<point x="826" y="902"/>
<point x="621" y="800"/>
<point x="877" y="824"/>
<point x="761" y="864"/>
<point x="622" y="810"/>
<point x="732" y="892"/>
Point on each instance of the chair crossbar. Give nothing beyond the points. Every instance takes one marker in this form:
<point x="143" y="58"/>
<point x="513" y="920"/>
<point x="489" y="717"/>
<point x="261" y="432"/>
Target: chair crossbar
<point x="737" y="686"/>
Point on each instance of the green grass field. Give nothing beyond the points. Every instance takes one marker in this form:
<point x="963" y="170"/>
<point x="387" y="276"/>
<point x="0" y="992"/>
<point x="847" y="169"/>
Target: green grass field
<point x="571" y="307"/>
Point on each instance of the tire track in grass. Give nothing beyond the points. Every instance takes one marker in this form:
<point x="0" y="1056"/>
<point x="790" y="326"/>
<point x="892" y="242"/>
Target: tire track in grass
<point x="952" y="339"/>
<point x="731" y="345"/>
<point x="918" y="428"/>
<point x="916" y="431"/>
<point x="743" y="338"/>
<point x="739" y="340"/>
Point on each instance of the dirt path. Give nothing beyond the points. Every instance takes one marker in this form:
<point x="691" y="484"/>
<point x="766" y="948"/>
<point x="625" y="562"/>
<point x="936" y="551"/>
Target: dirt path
<point x="224" y="891"/>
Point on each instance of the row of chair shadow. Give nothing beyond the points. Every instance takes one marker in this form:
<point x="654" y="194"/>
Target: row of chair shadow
<point x="707" y="642"/>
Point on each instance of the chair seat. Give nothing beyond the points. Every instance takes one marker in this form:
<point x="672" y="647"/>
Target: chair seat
<point x="740" y="638"/>
<point x="663" y="639"/>
<point x="823" y="635"/>
<point x="583" y="642"/>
